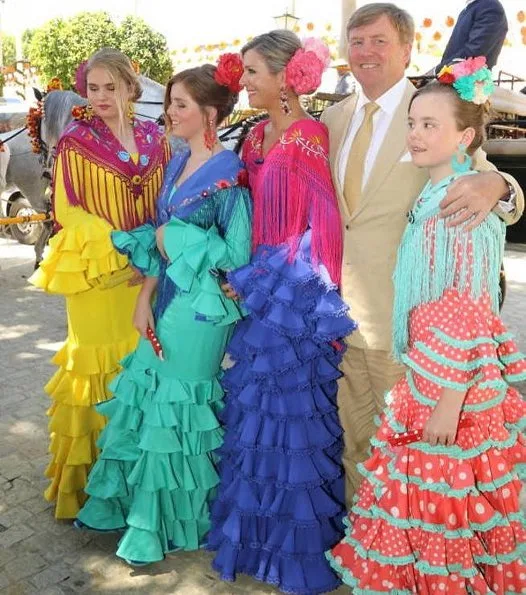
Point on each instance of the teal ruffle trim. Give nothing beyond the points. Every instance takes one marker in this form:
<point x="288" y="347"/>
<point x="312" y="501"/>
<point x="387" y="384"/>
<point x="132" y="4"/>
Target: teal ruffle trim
<point x="496" y="521"/>
<point x="140" y="246"/>
<point x="192" y="252"/>
<point x="352" y="582"/>
<point x="156" y="474"/>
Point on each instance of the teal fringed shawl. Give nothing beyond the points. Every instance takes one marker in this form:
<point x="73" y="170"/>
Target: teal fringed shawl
<point x="432" y="258"/>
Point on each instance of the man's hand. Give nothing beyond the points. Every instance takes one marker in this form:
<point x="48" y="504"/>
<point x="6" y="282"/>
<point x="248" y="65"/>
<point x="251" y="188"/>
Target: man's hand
<point x="473" y="197"/>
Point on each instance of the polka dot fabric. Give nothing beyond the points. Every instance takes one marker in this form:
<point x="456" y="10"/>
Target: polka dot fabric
<point x="434" y="520"/>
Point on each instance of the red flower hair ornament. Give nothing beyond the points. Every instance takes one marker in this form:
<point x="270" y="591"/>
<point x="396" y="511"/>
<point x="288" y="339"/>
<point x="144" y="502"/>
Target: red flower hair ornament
<point x="229" y="71"/>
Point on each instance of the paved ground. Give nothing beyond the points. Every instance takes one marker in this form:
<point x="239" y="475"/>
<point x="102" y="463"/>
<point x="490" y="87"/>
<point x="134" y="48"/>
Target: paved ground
<point x="41" y="555"/>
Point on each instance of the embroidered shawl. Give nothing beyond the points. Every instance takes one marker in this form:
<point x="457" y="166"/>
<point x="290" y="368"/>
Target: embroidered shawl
<point x="101" y="177"/>
<point x="292" y="191"/>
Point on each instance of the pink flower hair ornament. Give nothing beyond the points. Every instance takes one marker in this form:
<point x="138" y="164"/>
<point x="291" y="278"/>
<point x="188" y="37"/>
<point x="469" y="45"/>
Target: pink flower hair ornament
<point x="304" y="70"/>
<point x="471" y="79"/>
<point x="81" y="85"/>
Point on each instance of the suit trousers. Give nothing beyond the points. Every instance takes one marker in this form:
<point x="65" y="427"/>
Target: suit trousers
<point x="367" y="375"/>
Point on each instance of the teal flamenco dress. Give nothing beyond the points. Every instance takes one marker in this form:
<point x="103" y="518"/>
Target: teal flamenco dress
<point x="156" y="474"/>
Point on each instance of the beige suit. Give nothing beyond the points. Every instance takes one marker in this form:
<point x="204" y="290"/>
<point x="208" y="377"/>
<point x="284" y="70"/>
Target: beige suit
<point x="372" y="234"/>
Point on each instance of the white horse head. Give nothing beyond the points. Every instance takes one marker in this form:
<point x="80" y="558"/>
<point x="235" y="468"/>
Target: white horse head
<point x="150" y="105"/>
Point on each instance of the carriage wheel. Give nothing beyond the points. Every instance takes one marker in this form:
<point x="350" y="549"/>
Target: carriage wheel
<point x="25" y="233"/>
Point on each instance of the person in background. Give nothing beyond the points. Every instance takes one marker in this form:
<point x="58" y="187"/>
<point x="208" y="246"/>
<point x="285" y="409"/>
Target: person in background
<point x="480" y="30"/>
<point x="343" y="86"/>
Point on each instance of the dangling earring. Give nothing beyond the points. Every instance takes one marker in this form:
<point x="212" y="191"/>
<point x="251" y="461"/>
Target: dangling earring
<point x="461" y="161"/>
<point x="284" y="101"/>
<point x="88" y="112"/>
<point x="210" y="135"/>
<point x="130" y="112"/>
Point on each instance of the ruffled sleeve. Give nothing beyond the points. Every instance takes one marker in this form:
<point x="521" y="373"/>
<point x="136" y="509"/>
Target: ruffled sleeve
<point x="462" y="345"/>
<point x="140" y="246"/>
<point x="193" y="251"/>
<point x="81" y="254"/>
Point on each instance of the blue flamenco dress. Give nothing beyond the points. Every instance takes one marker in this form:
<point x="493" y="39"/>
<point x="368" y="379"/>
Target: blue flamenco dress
<point x="281" y="495"/>
<point x="156" y="474"/>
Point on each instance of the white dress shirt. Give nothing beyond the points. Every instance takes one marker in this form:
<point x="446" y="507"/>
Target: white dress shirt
<point x="388" y="103"/>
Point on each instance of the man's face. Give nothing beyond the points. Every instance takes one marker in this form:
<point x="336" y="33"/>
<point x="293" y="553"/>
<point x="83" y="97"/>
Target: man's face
<point x="377" y="56"/>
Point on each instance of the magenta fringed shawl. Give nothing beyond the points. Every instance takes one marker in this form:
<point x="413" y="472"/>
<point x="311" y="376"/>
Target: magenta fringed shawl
<point x="292" y="190"/>
<point x="91" y="152"/>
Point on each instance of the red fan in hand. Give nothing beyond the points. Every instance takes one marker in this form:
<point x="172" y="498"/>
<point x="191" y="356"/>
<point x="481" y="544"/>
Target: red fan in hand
<point x="152" y="337"/>
<point x="403" y="438"/>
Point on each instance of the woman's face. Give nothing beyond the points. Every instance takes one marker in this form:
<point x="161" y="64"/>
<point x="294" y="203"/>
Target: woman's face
<point x="104" y="93"/>
<point x="262" y="86"/>
<point x="187" y="119"/>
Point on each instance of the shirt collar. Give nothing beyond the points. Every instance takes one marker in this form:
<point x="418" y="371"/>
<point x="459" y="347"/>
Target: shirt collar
<point x="389" y="101"/>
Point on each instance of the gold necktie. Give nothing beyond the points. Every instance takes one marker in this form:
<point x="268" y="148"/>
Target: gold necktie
<point x="352" y="185"/>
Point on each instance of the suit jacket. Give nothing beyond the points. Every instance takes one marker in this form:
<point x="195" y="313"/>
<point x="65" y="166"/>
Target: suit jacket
<point x="373" y="231"/>
<point x="480" y="30"/>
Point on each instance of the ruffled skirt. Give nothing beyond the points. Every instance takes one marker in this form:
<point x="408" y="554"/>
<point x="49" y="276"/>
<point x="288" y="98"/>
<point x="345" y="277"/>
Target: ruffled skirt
<point x="156" y="473"/>
<point x="445" y="519"/>
<point x="281" y="494"/>
<point x="100" y="333"/>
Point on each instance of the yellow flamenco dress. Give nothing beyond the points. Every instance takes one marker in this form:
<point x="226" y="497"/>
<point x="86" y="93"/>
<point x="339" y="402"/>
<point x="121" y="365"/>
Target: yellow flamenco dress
<point x="82" y="264"/>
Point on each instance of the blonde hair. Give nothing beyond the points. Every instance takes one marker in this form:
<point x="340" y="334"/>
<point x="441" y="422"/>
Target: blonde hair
<point x="276" y="48"/>
<point x="121" y="71"/>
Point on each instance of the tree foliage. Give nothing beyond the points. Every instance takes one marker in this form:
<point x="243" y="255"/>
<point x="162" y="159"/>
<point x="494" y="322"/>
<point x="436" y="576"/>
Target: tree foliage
<point x="27" y="36"/>
<point x="146" y="47"/>
<point x="8" y="49"/>
<point x="59" y="46"/>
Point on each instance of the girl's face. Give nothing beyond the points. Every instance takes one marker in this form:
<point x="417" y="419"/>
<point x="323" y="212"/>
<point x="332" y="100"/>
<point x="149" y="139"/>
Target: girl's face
<point x="104" y="93"/>
<point x="262" y="86"/>
<point x="433" y="137"/>
<point x="186" y="116"/>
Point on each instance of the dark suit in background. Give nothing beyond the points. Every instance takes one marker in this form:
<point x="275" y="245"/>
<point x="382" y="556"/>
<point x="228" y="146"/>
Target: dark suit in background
<point x="480" y="30"/>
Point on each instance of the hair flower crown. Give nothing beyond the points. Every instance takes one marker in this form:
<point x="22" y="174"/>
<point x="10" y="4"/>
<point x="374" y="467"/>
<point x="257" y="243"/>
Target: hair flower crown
<point x="471" y="79"/>
<point x="229" y="71"/>
<point x="304" y="70"/>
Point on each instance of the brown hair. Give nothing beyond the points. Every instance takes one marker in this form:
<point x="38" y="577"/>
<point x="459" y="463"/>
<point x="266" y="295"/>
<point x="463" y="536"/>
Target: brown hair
<point x="401" y="20"/>
<point x="120" y="69"/>
<point x="200" y="83"/>
<point x="275" y="47"/>
<point x="467" y="114"/>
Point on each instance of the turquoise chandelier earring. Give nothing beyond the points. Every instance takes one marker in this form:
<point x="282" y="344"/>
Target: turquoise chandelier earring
<point x="461" y="161"/>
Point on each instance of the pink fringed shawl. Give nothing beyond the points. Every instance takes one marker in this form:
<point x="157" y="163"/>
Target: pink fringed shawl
<point x="292" y="190"/>
<point x="97" y="170"/>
